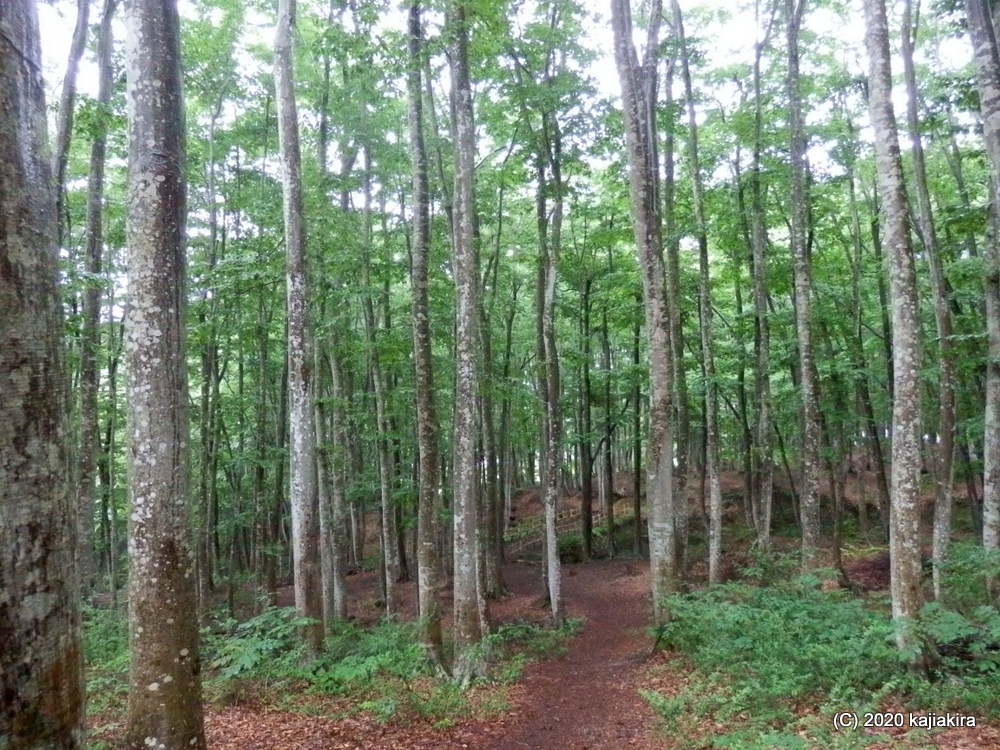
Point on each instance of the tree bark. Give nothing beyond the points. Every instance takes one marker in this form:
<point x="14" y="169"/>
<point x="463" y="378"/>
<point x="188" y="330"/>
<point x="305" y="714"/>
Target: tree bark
<point x="809" y="509"/>
<point x="468" y="602"/>
<point x="164" y="704"/>
<point x="705" y="318"/>
<point x="904" y="521"/>
<point x="428" y="565"/>
<point x="944" y="462"/>
<point x="302" y="453"/>
<point x="987" y="59"/>
<point x="41" y="665"/>
<point x="638" y="83"/>
<point x="90" y="326"/>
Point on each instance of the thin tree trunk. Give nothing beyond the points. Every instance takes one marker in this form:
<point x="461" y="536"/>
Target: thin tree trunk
<point x="762" y="498"/>
<point x="672" y="265"/>
<point x="90" y="327"/>
<point x="428" y="565"/>
<point x="705" y="318"/>
<point x="809" y="509"/>
<point x="302" y="439"/>
<point x="586" y="446"/>
<point x="551" y="145"/>
<point x="67" y="108"/>
<point x="390" y="551"/>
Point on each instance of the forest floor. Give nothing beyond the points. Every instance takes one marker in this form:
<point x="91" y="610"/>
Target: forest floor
<point x="586" y="699"/>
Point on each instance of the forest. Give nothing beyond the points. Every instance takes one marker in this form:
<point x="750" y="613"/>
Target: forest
<point x="366" y="365"/>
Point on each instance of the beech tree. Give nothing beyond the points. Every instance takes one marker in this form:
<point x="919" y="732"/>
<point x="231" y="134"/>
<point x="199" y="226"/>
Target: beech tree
<point x="427" y="504"/>
<point x="41" y="665"/>
<point x="302" y="454"/>
<point x="904" y="513"/>
<point x="802" y="271"/>
<point x="89" y="442"/>
<point x="711" y="422"/>
<point x="469" y="601"/>
<point x="638" y="84"/>
<point x="164" y="706"/>
<point x="944" y="463"/>
<point x="987" y="59"/>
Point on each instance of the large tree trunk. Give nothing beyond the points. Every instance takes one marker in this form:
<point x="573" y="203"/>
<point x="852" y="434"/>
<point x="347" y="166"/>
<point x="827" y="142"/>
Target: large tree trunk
<point x="987" y="59"/>
<point x="945" y="447"/>
<point x="41" y="665"/>
<point x="302" y="453"/>
<point x="428" y="565"/>
<point x="802" y="271"/>
<point x="164" y="704"/>
<point x="639" y="104"/>
<point x="904" y="516"/>
<point x="468" y="605"/>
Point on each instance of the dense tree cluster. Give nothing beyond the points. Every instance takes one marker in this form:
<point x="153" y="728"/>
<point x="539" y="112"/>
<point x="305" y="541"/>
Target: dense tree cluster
<point x="364" y="266"/>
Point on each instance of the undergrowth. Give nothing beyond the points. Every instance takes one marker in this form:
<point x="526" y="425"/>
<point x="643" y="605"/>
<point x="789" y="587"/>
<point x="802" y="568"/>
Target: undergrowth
<point x="381" y="670"/>
<point x="775" y="657"/>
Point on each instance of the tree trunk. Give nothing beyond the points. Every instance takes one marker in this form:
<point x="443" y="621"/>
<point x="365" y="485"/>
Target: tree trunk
<point x="904" y="522"/>
<point x="944" y="478"/>
<point x="705" y="319"/>
<point x="550" y="233"/>
<point x="302" y="453"/>
<point x="468" y="604"/>
<point x="984" y="44"/>
<point x="41" y="665"/>
<point x="428" y="565"/>
<point x="638" y="83"/>
<point x="391" y="567"/>
<point x="164" y="703"/>
<point x="90" y="326"/>
<point x="586" y="446"/>
<point x="762" y="497"/>
<point x="672" y="266"/>
<point x="67" y="107"/>
<point x="809" y="509"/>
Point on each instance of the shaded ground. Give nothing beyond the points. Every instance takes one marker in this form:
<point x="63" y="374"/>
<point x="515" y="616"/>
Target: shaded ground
<point x="588" y="698"/>
<point x="585" y="700"/>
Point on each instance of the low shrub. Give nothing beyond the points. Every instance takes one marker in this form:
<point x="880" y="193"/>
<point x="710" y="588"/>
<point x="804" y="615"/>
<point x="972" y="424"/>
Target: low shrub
<point x="775" y="662"/>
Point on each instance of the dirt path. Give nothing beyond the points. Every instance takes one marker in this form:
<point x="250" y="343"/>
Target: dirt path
<point x="587" y="700"/>
<point x="584" y="700"/>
